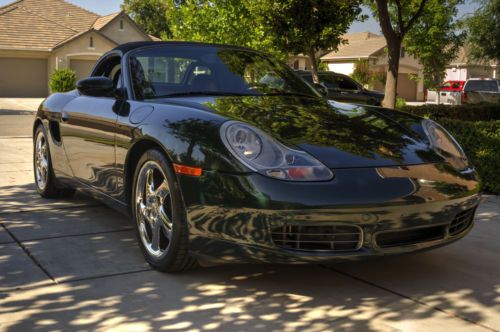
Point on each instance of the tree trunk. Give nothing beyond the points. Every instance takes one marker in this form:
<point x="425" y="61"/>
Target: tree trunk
<point x="314" y="65"/>
<point x="391" y="84"/>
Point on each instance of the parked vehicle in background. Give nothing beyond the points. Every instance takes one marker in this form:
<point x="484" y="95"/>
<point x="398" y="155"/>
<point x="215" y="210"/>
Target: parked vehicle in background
<point x="473" y="91"/>
<point x="343" y="88"/>
<point x="452" y="86"/>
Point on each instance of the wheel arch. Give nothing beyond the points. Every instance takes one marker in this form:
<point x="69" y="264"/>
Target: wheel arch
<point x="134" y="153"/>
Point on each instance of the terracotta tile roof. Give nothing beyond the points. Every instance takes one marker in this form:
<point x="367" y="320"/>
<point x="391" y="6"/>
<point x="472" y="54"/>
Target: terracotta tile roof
<point x="42" y="24"/>
<point x="361" y="45"/>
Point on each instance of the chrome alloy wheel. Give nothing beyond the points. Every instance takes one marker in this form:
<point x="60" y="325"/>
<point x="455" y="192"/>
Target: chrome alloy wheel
<point x="153" y="209"/>
<point x="41" y="161"/>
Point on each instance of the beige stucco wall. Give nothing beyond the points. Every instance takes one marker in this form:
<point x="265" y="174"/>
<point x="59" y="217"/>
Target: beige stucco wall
<point x="129" y="33"/>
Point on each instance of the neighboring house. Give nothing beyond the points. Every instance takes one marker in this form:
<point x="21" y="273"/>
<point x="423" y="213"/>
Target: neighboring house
<point x="463" y="68"/>
<point x="370" y="46"/>
<point x="40" y="36"/>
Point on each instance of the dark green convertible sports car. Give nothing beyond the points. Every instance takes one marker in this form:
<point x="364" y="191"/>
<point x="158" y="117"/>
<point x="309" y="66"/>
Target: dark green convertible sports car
<point x="222" y="153"/>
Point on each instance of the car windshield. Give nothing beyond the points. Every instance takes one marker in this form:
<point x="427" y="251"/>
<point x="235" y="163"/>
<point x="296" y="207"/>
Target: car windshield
<point x="184" y="70"/>
<point x="481" y="85"/>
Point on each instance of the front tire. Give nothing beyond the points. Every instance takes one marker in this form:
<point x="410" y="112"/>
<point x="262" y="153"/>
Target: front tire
<point x="159" y="215"/>
<point x="45" y="180"/>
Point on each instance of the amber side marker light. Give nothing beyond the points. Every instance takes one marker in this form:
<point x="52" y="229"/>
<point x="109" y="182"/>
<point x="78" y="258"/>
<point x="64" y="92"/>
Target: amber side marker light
<point x="187" y="170"/>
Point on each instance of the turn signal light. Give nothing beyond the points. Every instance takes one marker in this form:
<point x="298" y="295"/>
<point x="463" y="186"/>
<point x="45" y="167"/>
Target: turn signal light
<point x="187" y="170"/>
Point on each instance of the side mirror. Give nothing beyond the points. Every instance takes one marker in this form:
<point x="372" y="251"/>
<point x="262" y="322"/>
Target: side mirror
<point x="321" y="89"/>
<point x="95" y="86"/>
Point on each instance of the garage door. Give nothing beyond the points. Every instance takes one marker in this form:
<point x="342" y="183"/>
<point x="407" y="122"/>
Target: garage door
<point x="407" y="88"/>
<point x="23" y="78"/>
<point x="83" y="68"/>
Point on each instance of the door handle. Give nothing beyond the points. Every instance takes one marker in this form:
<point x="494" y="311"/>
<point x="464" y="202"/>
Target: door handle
<point x="64" y="117"/>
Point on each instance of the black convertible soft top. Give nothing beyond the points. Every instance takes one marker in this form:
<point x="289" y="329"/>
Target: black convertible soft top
<point x="127" y="47"/>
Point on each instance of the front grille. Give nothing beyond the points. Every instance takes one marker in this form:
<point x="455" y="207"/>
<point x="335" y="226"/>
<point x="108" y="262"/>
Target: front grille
<point x="461" y="222"/>
<point x="318" y="238"/>
<point x="412" y="236"/>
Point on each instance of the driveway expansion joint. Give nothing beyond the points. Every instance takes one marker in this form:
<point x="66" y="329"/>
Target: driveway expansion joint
<point x="415" y="300"/>
<point x="26" y="251"/>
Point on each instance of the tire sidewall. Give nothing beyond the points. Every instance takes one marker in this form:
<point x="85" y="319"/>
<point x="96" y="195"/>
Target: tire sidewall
<point x="179" y="231"/>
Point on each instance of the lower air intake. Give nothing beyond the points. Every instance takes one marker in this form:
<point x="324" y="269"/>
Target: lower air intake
<point x="318" y="238"/>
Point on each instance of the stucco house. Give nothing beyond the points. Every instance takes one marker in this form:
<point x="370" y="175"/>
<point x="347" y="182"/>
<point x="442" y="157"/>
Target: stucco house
<point x="464" y="67"/>
<point x="40" y="36"/>
<point x="370" y="46"/>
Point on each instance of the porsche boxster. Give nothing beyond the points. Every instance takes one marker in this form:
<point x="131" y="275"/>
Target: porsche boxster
<point x="223" y="154"/>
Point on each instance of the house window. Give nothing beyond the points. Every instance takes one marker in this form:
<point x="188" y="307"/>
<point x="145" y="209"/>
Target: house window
<point x="121" y="25"/>
<point x="296" y="64"/>
<point x="91" y="42"/>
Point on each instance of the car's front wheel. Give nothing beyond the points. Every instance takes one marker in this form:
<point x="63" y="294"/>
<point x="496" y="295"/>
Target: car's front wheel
<point x="159" y="215"/>
<point x="45" y="180"/>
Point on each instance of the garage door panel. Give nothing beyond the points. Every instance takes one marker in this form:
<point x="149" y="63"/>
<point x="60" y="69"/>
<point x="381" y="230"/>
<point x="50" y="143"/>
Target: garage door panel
<point x="407" y="88"/>
<point x="23" y="77"/>
<point x="83" y="68"/>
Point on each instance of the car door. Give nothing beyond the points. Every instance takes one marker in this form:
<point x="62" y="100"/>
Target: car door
<point x="88" y="130"/>
<point x="348" y="90"/>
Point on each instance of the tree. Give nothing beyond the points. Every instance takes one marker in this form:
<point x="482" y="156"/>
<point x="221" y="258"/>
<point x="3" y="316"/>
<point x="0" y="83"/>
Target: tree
<point x="484" y="31"/>
<point x="396" y="19"/>
<point x="218" y="21"/>
<point x="150" y="15"/>
<point x="436" y="39"/>
<point x="306" y="26"/>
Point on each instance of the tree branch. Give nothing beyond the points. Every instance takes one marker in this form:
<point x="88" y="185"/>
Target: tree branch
<point x="416" y="16"/>
<point x="400" y="19"/>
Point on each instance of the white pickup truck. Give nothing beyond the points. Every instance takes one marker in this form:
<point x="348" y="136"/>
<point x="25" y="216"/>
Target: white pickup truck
<point x="475" y="90"/>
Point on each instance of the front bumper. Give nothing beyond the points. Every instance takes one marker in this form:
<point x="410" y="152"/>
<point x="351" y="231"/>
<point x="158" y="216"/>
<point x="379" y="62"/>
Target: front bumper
<point x="235" y="217"/>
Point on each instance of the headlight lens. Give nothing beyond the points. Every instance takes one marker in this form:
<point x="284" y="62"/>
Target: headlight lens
<point x="445" y="145"/>
<point x="263" y="154"/>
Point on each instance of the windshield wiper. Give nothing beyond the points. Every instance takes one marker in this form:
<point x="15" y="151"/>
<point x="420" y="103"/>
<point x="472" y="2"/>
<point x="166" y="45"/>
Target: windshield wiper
<point x="203" y="93"/>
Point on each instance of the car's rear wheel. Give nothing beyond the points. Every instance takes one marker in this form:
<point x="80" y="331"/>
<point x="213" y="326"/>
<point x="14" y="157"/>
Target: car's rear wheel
<point x="159" y="214"/>
<point x="45" y="180"/>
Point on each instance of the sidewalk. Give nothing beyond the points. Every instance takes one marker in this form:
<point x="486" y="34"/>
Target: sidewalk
<point x="74" y="265"/>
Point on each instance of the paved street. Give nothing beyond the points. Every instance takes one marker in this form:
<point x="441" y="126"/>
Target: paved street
<point x="74" y="265"/>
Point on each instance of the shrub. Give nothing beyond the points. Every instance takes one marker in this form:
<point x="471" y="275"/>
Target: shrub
<point x="62" y="80"/>
<point x="400" y="102"/>
<point x="475" y="112"/>
<point x="362" y="73"/>
<point x="481" y="142"/>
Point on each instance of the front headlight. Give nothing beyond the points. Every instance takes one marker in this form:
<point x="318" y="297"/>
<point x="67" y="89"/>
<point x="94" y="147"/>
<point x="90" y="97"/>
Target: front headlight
<point x="445" y="145"/>
<point x="261" y="153"/>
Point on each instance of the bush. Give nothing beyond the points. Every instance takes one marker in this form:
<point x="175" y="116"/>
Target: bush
<point x="477" y="112"/>
<point x="481" y="142"/>
<point x="400" y="103"/>
<point x="362" y="73"/>
<point x="62" y="80"/>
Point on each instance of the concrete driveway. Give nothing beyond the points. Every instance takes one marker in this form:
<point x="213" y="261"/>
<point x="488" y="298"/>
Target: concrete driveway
<point x="74" y="265"/>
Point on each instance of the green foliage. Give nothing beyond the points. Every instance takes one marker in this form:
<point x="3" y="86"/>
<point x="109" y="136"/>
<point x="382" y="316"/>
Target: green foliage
<point x="62" y="80"/>
<point x="480" y="141"/>
<point x="484" y="31"/>
<point x="218" y="21"/>
<point x="400" y="102"/>
<point x="362" y="72"/>
<point x="306" y="26"/>
<point x="474" y="112"/>
<point x="322" y="66"/>
<point x="435" y="39"/>
<point x="477" y="129"/>
<point x="150" y="15"/>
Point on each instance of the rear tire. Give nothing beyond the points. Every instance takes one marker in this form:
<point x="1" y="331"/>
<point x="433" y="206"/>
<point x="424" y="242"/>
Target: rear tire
<point x="159" y="215"/>
<point x="45" y="180"/>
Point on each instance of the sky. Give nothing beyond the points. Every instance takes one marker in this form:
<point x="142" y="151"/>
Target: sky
<point x="104" y="7"/>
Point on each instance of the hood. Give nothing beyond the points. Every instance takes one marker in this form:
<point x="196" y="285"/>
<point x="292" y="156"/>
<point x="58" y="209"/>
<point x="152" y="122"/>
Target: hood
<point x="375" y="93"/>
<point x="339" y="135"/>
